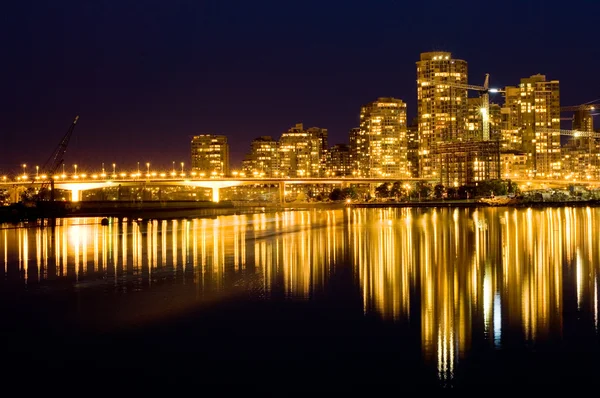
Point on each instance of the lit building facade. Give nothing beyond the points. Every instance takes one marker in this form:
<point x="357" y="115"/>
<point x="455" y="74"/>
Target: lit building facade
<point x="514" y="165"/>
<point x="412" y="155"/>
<point x="441" y="108"/>
<point x="320" y="134"/>
<point x="262" y="161"/>
<point x="300" y="152"/>
<point x="340" y="163"/>
<point x="532" y="112"/>
<point x="358" y="150"/>
<point x="383" y="129"/>
<point x="210" y="155"/>
<point x="475" y="119"/>
<point x="511" y="138"/>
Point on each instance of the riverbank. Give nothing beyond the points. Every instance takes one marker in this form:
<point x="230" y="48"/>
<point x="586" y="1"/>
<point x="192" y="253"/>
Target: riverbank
<point x="197" y="209"/>
<point x="474" y="203"/>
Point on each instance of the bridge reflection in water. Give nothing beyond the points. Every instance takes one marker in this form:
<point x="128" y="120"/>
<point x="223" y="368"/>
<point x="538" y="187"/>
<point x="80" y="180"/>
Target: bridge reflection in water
<point x="461" y="275"/>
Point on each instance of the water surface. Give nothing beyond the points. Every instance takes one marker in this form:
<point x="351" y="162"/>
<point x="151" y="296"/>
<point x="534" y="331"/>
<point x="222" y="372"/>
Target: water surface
<point x="446" y="297"/>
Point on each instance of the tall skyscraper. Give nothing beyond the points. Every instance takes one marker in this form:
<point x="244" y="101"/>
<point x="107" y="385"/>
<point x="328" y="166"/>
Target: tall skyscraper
<point x="537" y="108"/>
<point x="210" y="155"/>
<point x="262" y="160"/>
<point x="383" y="127"/>
<point x="441" y="108"/>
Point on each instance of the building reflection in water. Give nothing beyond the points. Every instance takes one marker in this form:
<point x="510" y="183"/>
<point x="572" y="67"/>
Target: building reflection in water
<point x="476" y="273"/>
<point x="464" y="276"/>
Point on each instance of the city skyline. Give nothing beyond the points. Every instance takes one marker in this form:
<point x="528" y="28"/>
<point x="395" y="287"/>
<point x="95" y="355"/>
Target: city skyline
<point x="125" y="123"/>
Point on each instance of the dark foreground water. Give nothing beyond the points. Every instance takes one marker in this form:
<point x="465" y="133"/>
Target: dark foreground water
<point x="314" y="301"/>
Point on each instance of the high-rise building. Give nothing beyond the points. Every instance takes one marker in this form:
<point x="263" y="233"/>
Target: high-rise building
<point x="358" y="150"/>
<point x="441" y="108"/>
<point x="210" y="155"/>
<point x="340" y="164"/>
<point x="320" y="134"/>
<point x="511" y="138"/>
<point x="262" y="160"/>
<point x="537" y="109"/>
<point x="412" y="155"/>
<point x="383" y="126"/>
<point x="301" y="152"/>
<point x="475" y="119"/>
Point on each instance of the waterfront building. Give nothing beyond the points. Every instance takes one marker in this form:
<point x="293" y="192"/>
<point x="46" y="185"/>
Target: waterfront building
<point x="339" y="161"/>
<point x="262" y="160"/>
<point x="412" y="145"/>
<point x="441" y="106"/>
<point x="533" y="110"/>
<point x="383" y="138"/>
<point x="300" y="152"/>
<point x="210" y="155"/>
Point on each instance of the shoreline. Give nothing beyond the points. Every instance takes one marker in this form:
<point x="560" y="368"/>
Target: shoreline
<point x="171" y="210"/>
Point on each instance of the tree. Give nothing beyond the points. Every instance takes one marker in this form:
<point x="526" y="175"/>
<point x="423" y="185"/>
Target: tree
<point x="336" y="194"/>
<point x="422" y="190"/>
<point x="383" y="191"/>
<point x="438" y="191"/>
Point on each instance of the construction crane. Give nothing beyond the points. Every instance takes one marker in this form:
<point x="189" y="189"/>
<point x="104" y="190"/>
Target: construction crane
<point x="582" y="115"/>
<point x="484" y="92"/>
<point x="55" y="160"/>
<point x="570" y="133"/>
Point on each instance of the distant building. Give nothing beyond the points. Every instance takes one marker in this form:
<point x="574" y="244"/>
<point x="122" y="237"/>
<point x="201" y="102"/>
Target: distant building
<point x="511" y="137"/>
<point x="441" y="108"/>
<point x="514" y="165"/>
<point x="358" y="150"/>
<point x="412" y="155"/>
<point x="533" y="109"/>
<point x="468" y="162"/>
<point x="210" y="155"/>
<point x="320" y="134"/>
<point x="262" y="160"/>
<point x="383" y="130"/>
<point x="474" y="128"/>
<point x="340" y="163"/>
<point x="300" y="152"/>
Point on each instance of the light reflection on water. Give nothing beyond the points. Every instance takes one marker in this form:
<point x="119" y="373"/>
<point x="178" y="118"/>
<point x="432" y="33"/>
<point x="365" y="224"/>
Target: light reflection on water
<point x="460" y="274"/>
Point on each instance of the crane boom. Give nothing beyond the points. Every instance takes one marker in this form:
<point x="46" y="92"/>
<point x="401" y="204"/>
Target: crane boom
<point x="584" y="107"/>
<point x="571" y="133"/>
<point x="57" y="157"/>
<point x="485" y="99"/>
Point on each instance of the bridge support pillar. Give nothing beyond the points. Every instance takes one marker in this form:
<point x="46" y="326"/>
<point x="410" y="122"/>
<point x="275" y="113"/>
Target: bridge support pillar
<point x="215" y="194"/>
<point x="75" y="195"/>
<point x="282" y="193"/>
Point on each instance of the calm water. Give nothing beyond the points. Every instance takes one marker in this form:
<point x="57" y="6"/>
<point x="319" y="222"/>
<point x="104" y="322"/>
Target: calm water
<point x="447" y="297"/>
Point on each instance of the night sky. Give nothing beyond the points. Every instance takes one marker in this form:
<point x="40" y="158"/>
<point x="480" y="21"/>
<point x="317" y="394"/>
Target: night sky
<point x="145" y="76"/>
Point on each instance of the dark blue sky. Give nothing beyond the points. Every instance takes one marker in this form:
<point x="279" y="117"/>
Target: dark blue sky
<point x="144" y="76"/>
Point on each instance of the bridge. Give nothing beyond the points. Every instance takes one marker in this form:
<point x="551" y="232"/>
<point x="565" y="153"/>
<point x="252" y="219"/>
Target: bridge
<point x="76" y="185"/>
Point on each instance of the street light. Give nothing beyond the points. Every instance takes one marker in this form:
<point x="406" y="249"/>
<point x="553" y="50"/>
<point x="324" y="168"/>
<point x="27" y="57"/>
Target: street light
<point x="75" y="167"/>
<point x="24" y="167"/>
<point x="182" y="167"/>
<point x="148" y="168"/>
